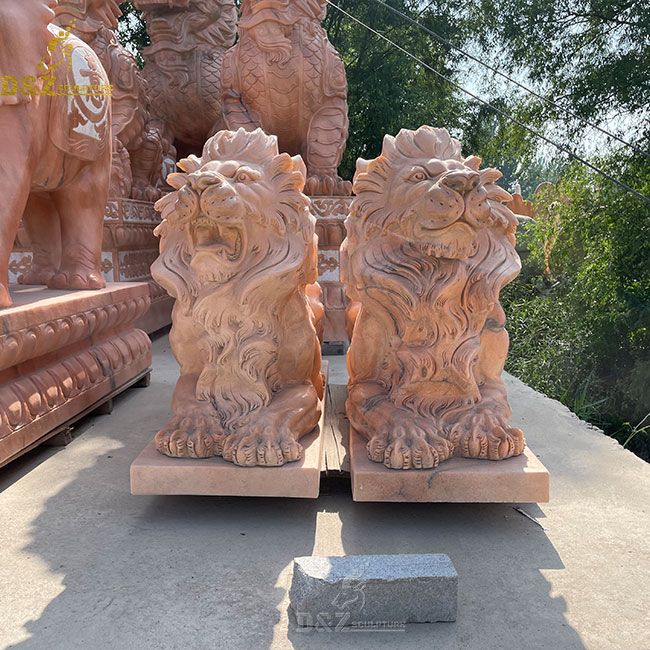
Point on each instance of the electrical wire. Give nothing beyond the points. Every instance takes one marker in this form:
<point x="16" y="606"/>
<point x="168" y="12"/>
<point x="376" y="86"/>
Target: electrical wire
<point x="501" y="112"/>
<point x="557" y="106"/>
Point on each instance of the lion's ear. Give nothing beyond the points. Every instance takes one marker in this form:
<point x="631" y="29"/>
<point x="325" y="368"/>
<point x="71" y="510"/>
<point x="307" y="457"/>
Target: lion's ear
<point x="177" y="180"/>
<point x="473" y="162"/>
<point x="362" y="165"/>
<point x="299" y="166"/>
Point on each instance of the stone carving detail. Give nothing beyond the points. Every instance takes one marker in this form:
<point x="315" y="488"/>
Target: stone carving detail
<point x="62" y="354"/>
<point x="331" y="212"/>
<point x="23" y="401"/>
<point x="238" y="252"/>
<point x="137" y="138"/>
<point x="36" y="340"/>
<point x="430" y="245"/>
<point x="284" y="76"/>
<point x="183" y="65"/>
<point x="56" y="151"/>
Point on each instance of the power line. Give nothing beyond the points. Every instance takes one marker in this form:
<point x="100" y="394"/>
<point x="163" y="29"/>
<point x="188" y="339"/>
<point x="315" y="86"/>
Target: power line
<point x="505" y="114"/>
<point x="448" y="43"/>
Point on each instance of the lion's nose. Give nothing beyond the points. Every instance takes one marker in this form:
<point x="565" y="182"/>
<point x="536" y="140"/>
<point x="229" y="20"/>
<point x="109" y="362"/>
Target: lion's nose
<point x="461" y="181"/>
<point x="203" y="180"/>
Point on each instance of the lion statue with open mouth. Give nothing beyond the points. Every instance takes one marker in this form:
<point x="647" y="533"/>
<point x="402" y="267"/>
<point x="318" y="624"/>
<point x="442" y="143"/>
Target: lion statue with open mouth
<point x="430" y="246"/>
<point x="239" y="254"/>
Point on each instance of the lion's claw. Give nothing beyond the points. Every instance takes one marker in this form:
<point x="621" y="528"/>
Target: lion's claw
<point x="257" y="446"/>
<point x="409" y="447"/>
<point x="190" y="437"/>
<point x="486" y="435"/>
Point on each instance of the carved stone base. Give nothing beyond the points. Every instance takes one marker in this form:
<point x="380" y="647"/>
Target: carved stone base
<point x="62" y="353"/>
<point x="153" y="473"/>
<point x="331" y="212"/>
<point x="522" y="479"/>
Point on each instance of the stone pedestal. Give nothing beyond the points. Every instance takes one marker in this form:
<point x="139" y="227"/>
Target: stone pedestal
<point x="154" y="473"/>
<point x="63" y="353"/>
<point x="331" y="212"/>
<point x="129" y="248"/>
<point x="521" y="479"/>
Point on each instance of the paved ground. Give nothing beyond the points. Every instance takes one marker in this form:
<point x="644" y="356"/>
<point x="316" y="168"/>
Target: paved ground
<point x="86" y="565"/>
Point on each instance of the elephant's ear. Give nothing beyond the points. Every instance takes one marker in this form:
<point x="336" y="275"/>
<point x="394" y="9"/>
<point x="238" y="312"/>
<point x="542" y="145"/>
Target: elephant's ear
<point x="24" y="39"/>
<point x="80" y="115"/>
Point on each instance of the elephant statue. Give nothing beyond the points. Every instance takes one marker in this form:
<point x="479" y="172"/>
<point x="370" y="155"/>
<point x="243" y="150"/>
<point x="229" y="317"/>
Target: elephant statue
<point x="55" y="167"/>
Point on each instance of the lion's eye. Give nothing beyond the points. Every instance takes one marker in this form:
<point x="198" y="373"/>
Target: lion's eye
<point x="418" y="177"/>
<point x="245" y="177"/>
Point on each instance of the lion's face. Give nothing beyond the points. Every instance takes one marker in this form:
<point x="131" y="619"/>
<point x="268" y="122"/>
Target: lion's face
<point x="222" y="201"/>
<point x="422" y="190"/>
<point x="237" y="203"/>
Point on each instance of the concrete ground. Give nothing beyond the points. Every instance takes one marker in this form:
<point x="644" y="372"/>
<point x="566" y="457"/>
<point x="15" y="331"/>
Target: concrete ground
<point x="83" y="564"/>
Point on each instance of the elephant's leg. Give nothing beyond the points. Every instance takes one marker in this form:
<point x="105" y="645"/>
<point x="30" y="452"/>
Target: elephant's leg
<point x="81" y="205"/>
<point x="16" y="176"/>
<point x="324" y="150"/>
<point x="42" y="224"/>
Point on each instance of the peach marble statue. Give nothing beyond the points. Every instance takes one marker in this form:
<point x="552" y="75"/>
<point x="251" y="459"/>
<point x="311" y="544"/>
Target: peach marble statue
<point x="284" y="76"/>
<point x="183" y="65"/>
<point x="137" y="138"/>
<point x="430" y="245"/>
<point x="56" y="147"/>
<point x="238" y="252"/>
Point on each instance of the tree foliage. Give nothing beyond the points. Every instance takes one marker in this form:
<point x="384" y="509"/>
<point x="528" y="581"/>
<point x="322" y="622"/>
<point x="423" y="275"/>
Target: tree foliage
<point x="580" y="314"/>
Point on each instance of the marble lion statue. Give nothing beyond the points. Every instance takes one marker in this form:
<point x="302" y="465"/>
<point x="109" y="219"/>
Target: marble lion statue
<point x="430" y="245"/>
<point x="284" y="76"/>
<point x="239" y="254"/>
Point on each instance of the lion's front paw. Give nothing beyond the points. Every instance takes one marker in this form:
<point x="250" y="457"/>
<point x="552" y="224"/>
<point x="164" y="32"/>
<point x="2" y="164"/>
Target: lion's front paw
<point x="409" y="446"/>
<point x="190" y="437"/>
<point x="484" y="434"/>
<point x="261" y="446"/>
<point x="327" y="185"/>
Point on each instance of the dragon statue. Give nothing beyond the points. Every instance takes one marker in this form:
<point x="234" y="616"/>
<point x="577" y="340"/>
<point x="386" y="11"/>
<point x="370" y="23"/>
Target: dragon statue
<point x="284" y="76"/>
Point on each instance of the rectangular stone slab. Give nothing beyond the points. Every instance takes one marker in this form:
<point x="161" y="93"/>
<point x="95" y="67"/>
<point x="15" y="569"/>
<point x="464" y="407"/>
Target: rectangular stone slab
<point x="154" y="473"/>
<point x="373" y="591"/>
<point x="522" y="479"/>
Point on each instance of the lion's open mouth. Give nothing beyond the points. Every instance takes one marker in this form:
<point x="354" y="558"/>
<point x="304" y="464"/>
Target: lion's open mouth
<point x="224" y="240"/>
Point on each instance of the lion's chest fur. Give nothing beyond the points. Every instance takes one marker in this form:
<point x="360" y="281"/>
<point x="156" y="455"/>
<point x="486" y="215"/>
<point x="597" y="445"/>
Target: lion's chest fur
<point x="422" y="317"/>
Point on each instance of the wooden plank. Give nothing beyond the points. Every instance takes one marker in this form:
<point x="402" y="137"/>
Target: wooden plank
<point x="336" y="432"/>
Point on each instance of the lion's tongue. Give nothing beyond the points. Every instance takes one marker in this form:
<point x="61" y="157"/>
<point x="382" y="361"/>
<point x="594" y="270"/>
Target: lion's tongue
<point x="206" y="236"/>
